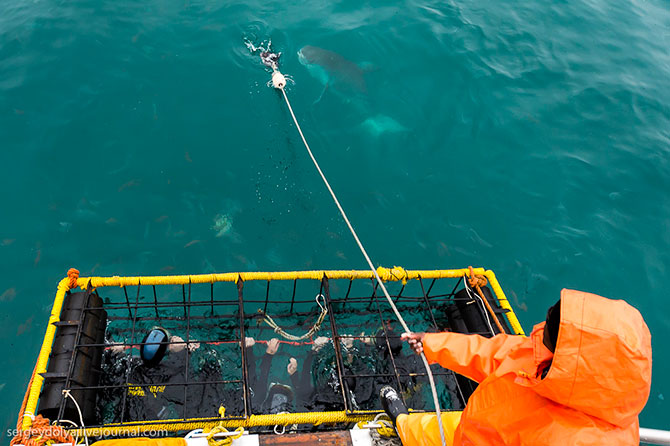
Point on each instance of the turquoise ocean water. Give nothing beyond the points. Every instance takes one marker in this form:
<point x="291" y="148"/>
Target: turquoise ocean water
<point x="140" y="138"/>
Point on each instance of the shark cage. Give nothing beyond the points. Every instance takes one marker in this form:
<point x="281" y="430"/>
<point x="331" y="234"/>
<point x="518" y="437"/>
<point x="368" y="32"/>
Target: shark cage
<point x="302" y="351"/>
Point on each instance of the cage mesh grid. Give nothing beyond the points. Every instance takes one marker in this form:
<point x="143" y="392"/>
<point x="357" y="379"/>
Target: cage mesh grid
<point x="208" y="305"/>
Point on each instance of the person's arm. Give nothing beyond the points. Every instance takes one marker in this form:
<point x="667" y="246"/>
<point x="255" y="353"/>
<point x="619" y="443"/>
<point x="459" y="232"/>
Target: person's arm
<point x="302" y="382"/>
<point x="261" y="388"/>
<point x="473" y="356"/>
<point x="292" y="369"/>
<point x="251" y="362"/>
<point x="307" y="367"/>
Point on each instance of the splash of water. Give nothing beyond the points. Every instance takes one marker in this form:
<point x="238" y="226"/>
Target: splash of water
<point x="269" y="58"/>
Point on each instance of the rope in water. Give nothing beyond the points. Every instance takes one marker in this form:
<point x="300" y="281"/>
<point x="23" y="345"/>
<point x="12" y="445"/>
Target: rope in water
<point x="279" y="82"/>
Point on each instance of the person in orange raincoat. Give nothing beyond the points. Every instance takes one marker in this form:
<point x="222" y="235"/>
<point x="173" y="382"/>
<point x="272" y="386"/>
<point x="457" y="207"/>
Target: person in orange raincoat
<point x="583" y="384"/>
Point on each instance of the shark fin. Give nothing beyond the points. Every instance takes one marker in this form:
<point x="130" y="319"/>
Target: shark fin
<point x="325" y="87"/>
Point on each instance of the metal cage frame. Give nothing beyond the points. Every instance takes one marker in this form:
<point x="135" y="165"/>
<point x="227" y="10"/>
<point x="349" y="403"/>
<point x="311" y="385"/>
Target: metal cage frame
<point x="334" y="304"/>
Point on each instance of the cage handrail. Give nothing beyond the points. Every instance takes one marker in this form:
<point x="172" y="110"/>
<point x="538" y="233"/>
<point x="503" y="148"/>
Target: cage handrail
<point x="387" y="274"/>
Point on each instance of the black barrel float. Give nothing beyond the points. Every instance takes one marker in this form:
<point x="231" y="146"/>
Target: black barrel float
<point x="82" y="324"/>
<point x="474" y="314"/>
<point x="468" y="315"/>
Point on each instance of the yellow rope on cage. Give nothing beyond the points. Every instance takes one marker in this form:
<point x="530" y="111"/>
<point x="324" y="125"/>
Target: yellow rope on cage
<point x="218" y="429"/>
<point x="396" y="273"/>
<point x="387" y="274"/>
<point x="385" y="428"/>
<point x="280" y="331"/>
<point x="35" y="385"/>
<point x="142" y="427"/>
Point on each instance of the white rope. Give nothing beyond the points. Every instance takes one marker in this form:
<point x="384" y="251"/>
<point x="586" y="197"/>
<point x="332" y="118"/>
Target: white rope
<point x="76" y="438"/>
<point x="280" y="86"/>
<point x="81" y="418"/>
<point x="476" y="297"/>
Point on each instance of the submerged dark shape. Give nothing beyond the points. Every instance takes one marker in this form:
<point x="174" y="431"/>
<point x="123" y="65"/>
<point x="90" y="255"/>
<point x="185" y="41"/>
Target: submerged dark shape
<point x="347" y="80"/>
<point x="331" y="69"/>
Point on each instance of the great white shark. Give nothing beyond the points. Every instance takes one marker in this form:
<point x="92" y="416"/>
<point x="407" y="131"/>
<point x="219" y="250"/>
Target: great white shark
<point x="347" y="80"/>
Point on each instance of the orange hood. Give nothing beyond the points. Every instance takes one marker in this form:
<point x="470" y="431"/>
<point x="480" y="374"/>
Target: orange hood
<point x="602" y="361"/>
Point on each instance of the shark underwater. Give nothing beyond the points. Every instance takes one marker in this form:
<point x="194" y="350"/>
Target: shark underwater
<point x="346" y="80"/>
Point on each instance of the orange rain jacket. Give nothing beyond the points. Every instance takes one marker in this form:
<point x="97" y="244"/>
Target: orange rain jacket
<point x="597" y="385"/>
